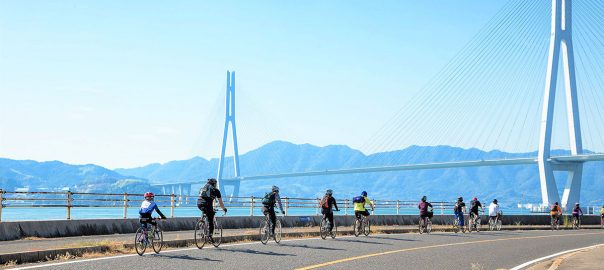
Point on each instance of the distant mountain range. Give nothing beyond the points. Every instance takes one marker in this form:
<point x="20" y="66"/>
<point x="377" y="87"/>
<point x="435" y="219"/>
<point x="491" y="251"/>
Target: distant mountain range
<point x="509" y="184"/>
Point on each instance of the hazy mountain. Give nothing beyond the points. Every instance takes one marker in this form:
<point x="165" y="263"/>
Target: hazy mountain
<point x="55" y="175"/>
<point x="510" y="184"/>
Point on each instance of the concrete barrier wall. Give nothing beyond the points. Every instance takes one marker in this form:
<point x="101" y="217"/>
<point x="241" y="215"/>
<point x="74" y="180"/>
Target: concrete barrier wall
<point x="65" y="228"/>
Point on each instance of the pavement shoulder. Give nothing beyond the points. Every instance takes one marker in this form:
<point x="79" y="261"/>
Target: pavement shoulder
<point x="591" y="258"/>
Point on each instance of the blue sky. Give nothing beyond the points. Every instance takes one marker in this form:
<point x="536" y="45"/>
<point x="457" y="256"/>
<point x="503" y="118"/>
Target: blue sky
<point x="126" y="83"/>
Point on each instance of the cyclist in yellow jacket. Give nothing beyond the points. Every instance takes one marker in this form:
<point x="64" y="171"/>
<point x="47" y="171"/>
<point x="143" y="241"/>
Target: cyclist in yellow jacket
<point x="359" y="205"/>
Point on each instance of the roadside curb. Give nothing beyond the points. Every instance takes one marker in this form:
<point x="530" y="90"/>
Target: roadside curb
<point x="50" y="254"/>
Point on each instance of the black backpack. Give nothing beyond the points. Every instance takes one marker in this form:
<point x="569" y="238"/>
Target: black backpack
<point x="269" y="199"/>
<point x="206" y="192"/>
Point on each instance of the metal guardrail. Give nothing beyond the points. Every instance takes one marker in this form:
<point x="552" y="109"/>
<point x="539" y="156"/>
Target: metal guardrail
<point x="70" y="200"/>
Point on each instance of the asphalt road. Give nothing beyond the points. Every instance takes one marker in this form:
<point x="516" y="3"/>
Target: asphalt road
<point x="485" y="250"/>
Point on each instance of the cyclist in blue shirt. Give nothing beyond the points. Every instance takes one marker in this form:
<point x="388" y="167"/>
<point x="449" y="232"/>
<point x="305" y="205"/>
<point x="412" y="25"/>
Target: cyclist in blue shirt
<point x="147" y="208"/>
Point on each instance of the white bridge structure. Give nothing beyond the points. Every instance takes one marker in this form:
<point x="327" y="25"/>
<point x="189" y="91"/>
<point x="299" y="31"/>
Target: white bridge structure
<point x="561" y="46"/>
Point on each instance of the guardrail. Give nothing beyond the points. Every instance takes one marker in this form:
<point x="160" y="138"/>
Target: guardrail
<point x="245" y="205"/>
<point x="72" y="200"/>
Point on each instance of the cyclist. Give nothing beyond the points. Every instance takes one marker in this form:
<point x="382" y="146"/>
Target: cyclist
<point x="327" y="204"/>
<point x="556" y="212"/>
<point x="459" y="209"/>
<point x="147" y="208"/>
<point x="474" y="205"/>
<point x="494" y="211"/>
<point x="205" y="203"/>
<point x="602" y="215"/>
<point x="577" y="212"/>
<point x="359" y="205"/>
<point x="425" y="209"/>
<point x="268" y="206"/>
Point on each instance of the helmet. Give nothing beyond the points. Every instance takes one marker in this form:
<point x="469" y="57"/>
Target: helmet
<point x="556" y="203"/>
<point x="495" y="200"/>
<point x="329" y="192"/>
<point x="212" y="181"/>
<point x="424" y="198"/>
<point x="149" y="195"/>
<point x="576" y="203"/>
<point x="460" y="199"/>
<point x="475" y="199"/>
<point x="275" y="189"/>
<point x="364" y="193"/>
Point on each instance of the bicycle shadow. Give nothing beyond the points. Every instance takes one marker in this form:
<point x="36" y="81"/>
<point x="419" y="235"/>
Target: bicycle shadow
<point x="392" y="238"/>
<point x="186" y="257"/>
<point x="255" y="252"/>
<point x="356" y="240"/>
<point x="310" y="247"/>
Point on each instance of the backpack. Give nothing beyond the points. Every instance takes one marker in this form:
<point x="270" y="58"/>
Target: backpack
<point x="206" y="192"/>
<point x="325" y="204"/>
<point x="456" y="208"/>
<point x="358" y="199"/>
<point x="269" y="199"/>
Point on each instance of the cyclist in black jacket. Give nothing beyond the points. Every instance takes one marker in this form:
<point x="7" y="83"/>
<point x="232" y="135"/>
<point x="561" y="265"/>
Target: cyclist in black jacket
<point x="327" y="204"/>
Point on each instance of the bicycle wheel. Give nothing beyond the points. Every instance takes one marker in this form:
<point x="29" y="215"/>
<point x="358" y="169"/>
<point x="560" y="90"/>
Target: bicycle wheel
<point x="277" y="236"/>
<point x="367" y="227"/>
<point x="491" y="224"/>
<point x="470" y="224"/>
<point x="456" y="225"/>
<point x="421" y="225"/>
<point x="357" y="228"/>
<point x="200" y="236"/>
<point x="158" y="240"/>
<point x="428" y="225"/>
<point x="498" y="225"/>
<point x="334" y="230"/>
<point x="140" y="242"/>
<point x="324" y="229"/>
<point x="264" y="232"/>
<point x="217" y="236"/>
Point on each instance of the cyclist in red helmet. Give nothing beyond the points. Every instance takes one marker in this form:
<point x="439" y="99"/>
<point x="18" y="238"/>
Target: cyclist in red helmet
<point x="147" y="208"/>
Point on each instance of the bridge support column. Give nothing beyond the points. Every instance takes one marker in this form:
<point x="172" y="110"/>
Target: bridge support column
<point x="229" y="119"/>
<point x="560" y="42"/>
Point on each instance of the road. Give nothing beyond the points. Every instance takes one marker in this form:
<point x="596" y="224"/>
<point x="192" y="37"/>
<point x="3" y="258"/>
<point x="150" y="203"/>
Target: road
<point x="485" y="250"/>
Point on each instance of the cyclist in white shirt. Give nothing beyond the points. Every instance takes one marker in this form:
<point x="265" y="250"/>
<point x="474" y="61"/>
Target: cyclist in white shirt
<point x="494" y="211"/>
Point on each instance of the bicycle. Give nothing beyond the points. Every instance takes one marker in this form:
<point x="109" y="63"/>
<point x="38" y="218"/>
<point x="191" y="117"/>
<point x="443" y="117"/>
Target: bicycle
<point x="362" y="225"/>
<point x="425" y="225"/>
<point x="265" y="230"/>
<point x="202" y="232"/>
<point x="576" y="223"/>
<point x="142" y="238"/>
<point x="495" y="223"/>
<point x="324" y="231"/>
<point x="602" y="222"/>
<point x="474" y="222"/>
<point x="555" y="222"/>
<point x="456" y="225"/>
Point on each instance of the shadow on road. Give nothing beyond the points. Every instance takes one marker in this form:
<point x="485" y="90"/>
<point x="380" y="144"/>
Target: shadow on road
<point x="392" y="238"/>
<point x="186" y="257"/>
<point x="256" y="252"/>
<point x="357" y="240"/>
<point x="311" y="247"/>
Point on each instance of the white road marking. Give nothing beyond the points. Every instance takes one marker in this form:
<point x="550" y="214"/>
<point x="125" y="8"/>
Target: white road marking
<point x="552" y="256"/>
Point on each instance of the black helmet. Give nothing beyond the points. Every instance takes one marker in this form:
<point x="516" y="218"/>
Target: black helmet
<point x="424" y="199"/>
<point x="495" y="201"/>
<point x="556" y="203"/>
<point x="460" y="199"/>
<point x="212" y="181"/>
<point x="275" y="189"/>
<point x="329" y="192"/>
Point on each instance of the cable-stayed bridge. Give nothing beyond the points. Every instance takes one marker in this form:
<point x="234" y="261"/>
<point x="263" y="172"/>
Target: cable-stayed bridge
<point x="498" y="92"/>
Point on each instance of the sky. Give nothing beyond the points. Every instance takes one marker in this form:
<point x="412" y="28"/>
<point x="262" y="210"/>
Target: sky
<point x="128" y="83"/>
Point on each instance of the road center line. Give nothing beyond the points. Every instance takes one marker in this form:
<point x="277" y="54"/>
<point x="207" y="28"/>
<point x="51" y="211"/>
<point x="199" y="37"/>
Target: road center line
<point x="433" y="246"/>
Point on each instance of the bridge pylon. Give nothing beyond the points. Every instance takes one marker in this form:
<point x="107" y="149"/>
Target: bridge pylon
<point x="560" y="42"/>
<point x="229" y="119"/>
